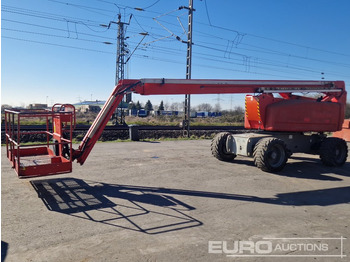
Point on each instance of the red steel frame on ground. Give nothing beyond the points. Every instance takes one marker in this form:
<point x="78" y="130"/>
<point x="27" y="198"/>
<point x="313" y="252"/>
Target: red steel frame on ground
<point x="39" y="159"/>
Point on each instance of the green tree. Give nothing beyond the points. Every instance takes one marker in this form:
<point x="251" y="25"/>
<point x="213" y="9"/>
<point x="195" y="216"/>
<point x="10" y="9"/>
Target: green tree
<point x="148" y="106"/>
<point x="138" y="105"/>
<point x="161" y="106"/>
<point x="204" y="107"/>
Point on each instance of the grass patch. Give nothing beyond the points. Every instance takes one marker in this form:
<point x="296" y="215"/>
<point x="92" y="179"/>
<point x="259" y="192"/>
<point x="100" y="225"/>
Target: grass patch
<point x="87" y="119"/>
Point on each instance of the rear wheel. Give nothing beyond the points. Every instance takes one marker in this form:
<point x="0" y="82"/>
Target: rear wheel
<point x="270" y="154"/>
<point x="218" y="147"/>
<point x="333" y="151"/>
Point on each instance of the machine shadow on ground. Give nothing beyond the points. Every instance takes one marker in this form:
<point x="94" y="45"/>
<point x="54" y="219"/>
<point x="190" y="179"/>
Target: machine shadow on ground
<point x="154" y="210"/>
<point x="304" y="167"/>
<point x="4" y="249"/>
<point x="132" y="209"/>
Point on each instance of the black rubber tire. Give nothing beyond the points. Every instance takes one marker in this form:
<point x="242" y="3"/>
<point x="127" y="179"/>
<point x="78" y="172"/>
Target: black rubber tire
<point x="333" y="151"/>
<point x="218" y="147"/>
<point x="270" y="154"/>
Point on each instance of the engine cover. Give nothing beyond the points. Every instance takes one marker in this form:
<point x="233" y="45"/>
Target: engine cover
<point x="265" y="112"/>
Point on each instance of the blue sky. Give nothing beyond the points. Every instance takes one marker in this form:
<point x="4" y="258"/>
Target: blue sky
<point x="53" y="51"/>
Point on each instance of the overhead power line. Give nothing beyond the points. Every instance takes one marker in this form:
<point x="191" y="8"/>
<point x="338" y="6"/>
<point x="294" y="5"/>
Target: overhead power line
<point x="59" y="45"/>
<point x="167" y="60"/>
<point x="52" y="35"/>
<point x="86" y="22"/>
<point x="87" y="8"/>
<point x="156" y="2"/>
<point x="243" y="55"/>
<point x="266" y="38"/>
<point x="56" y="29"/>
<point x="54" y="17"/>
<point x="206" y="56"/>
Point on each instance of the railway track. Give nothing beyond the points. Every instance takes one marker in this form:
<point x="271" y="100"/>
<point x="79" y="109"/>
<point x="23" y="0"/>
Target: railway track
<point x="161" y="128"/>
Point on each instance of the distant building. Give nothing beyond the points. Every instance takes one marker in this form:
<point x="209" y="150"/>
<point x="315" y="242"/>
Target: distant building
<point x="94" y="106"/>
<point x="89" y="108"/>
<point x="37" y="106"/>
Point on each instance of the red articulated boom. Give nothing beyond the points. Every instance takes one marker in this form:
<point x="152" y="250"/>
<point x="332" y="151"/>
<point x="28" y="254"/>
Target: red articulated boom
<point x="281" y="119"/>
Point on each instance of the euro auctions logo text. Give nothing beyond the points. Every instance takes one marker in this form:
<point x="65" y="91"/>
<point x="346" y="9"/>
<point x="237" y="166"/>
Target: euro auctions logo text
<point x="280" y="247"/>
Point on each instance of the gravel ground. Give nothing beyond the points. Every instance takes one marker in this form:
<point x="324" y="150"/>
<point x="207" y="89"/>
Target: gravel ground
<point x="167" y="201"/>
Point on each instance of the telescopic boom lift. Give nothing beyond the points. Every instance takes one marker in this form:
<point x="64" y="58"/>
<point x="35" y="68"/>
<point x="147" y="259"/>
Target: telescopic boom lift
<point x="281" y="121"/>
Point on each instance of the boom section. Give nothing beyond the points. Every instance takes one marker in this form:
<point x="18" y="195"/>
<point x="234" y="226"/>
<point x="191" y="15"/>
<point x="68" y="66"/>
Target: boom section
<point x="210" y="86"/>
<point x="102" y="119"/>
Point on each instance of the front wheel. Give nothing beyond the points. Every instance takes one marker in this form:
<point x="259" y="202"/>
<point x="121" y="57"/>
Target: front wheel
<point x="218" y="147"/>
<point x="333" y="151"/>
<point x="270" y="154"/>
